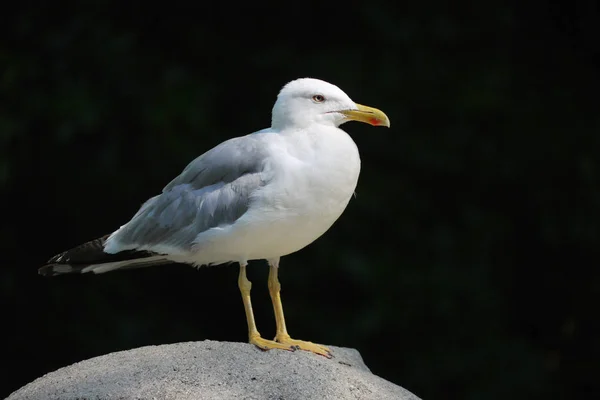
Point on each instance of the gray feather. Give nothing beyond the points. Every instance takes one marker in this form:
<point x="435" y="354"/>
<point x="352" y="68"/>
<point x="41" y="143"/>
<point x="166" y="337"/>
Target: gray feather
<point x="214" y="190"/>
<point x="223" y="163"/>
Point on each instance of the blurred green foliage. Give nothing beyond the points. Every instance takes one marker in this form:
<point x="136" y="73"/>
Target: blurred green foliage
<point x="466" y="268"/>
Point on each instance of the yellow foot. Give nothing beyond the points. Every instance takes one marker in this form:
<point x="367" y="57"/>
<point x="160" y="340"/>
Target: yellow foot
<point x="265" y="344"/>
<point x="302" y="345"/>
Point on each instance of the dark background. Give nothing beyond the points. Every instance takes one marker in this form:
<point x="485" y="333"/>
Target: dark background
<point x="467" y="266"/>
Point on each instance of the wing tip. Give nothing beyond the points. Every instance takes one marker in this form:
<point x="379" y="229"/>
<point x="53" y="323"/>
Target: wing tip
<point x="56" y="269"/>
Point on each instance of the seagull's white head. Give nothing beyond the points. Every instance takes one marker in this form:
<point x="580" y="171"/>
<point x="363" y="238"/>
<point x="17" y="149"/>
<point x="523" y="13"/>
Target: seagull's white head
<point x="307" y="101"/>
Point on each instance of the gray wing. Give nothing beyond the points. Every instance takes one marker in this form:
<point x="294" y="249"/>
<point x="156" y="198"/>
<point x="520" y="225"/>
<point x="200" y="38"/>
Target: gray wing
<point x="213" y="190"/>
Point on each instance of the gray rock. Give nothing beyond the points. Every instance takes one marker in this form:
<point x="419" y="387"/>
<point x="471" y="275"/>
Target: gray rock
<point x="214" y="370"/>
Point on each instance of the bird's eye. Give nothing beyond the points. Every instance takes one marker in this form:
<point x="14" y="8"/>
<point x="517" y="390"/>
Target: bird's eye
<point x="318" y="98"/>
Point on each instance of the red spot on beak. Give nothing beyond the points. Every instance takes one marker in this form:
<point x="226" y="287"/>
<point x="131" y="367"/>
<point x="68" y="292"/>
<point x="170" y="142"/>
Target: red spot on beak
<point x="374" y="121"/>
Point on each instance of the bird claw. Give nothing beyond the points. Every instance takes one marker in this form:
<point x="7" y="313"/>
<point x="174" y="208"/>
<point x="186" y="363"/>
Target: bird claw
<point x="307" y="346"/>
<point x="265" y="344"/>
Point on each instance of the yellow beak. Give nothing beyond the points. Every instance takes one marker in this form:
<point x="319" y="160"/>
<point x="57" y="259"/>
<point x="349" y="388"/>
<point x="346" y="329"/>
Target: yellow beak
<point x="368" y="115"/>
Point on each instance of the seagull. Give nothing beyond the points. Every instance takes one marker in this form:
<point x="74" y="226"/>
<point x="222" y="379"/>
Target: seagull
<point x="260" y="196"/>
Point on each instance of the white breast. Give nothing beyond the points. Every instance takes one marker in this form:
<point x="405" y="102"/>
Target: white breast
<point x="311" y="180"/>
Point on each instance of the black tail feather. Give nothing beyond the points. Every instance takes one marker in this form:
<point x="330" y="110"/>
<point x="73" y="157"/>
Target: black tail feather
<point x="90" y="253"/>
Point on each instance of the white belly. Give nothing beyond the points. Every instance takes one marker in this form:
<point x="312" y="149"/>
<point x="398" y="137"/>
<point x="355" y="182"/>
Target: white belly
<point x="309" y="189"/>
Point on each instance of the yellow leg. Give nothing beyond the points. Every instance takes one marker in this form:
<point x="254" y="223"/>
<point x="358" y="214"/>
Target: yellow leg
<point x="253" y="336"/>
<point x="282" y="335"/>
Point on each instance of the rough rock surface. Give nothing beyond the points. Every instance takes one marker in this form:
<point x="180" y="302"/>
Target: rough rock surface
<point x="214" y="370"/>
